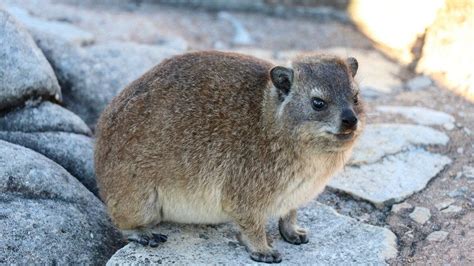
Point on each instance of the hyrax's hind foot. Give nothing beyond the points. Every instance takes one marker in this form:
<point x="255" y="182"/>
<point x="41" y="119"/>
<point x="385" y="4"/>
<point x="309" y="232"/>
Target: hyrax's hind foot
<point x="145" y="237"/>
<point x="273" y="256"/>
<point x="290" y="231"/>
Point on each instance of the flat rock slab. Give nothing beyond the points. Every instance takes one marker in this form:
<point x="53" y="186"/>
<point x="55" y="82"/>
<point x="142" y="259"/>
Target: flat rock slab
<point x="24" y="71"/>
<point x="420" y="115"/>
<point x="43" y="117"/>
<point x="90" y="77"/>
<point x="334" y="240"/>
<point x="47" y="216"/>
<point x="74" y="152"/>
<point x="39" y="27"/>
<point x="379" y="140"/>
<point x="393" y="179"/>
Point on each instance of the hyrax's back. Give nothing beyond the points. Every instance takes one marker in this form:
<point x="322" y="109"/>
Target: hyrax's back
<point x="172" y="130"/>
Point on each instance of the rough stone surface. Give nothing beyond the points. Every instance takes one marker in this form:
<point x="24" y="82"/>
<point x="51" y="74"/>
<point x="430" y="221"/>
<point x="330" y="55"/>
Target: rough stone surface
<point x="72" y="151"/>
<point x="419" y="83"/>
<point x="47" y="216"/>
<point x="393" y="179"/>
<point x="379" y="140"/>
<point x="90" y="77"/>
<point x="334" y="239"/>
<point x="24" y="71"/>
<point x="43" y="117"/>
<point x="437" y="236"/>
<point x="420" y="115"/>
<point x="39" y="27"/>
<point x="420" y="215"/>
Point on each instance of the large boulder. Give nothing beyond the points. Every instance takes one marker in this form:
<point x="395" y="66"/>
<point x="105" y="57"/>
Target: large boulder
<point x="24" y="71"/>
<point x="39" y="27"/>
<point x="43" y="117"/>
<point x="396" y="25"/>
<point x="56" y="133"/>
<point x="72" y="151"/>
<point x="47" y="216"/>
<point x="90" y="77"/>
<point x="447" y="52"/>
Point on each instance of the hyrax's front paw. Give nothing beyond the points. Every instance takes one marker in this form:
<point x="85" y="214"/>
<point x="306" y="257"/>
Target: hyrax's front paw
<point x="272" y="256"/>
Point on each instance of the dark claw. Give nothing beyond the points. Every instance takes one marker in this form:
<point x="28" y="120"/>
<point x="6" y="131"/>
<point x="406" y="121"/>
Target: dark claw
<point x="160" y="238"/>
<point x="140" y="240"/>
<point x="304" y="239"/>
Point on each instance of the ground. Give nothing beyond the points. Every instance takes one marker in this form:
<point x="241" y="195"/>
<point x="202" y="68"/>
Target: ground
<point x="269" y="37"/>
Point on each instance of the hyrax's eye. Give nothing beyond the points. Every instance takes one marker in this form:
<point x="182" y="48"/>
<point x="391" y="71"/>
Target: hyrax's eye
<point x="318" y="104"/>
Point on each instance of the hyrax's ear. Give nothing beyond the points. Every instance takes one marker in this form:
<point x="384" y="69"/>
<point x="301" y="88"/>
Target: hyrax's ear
<point x="353" y="65"/>
<point x="282" y="78"/>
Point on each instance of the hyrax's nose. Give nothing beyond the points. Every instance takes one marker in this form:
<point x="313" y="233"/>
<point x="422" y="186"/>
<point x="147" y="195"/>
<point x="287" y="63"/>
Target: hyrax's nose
<point x="349" y="119"/>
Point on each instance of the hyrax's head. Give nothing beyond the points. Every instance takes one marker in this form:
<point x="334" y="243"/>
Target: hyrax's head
<point x="318" y="102"/>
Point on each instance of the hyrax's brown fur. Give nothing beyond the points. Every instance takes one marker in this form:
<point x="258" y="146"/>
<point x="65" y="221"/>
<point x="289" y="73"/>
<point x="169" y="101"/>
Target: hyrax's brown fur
<point x="211" y="137"/>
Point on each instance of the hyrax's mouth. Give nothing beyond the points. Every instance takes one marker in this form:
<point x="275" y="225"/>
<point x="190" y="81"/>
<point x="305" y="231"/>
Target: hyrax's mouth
<point x="343" y="136"/>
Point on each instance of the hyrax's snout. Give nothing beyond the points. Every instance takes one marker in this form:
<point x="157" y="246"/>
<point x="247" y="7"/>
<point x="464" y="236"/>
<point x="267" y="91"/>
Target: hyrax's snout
<point x="348" y="120"/>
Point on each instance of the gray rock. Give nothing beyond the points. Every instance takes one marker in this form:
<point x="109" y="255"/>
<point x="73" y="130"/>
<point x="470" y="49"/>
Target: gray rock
<point x="437" y="236"/>
<point x="43" y="117"/>
<point x="24" y="71"/>
<point x="420" y="115"/>
<point x="459" y="192"/>
<point x="391" y="180"/>
<point x="39" y="27"/>
<point x="419" y="83"/>
<point x="334" y="240"/>
<point x="47" y="216"/>
<point x="420" y="215"/>
<point x="444" y="204"/>
<point x="90" y="77"/>
<point x="379" y="140"/>
<point x="452" y="209"/>
<point x="72" y="151"/>
<point x="396" y="208"/>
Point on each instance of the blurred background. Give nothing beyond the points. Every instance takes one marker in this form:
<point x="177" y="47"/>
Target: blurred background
<point x="62" y="61"/>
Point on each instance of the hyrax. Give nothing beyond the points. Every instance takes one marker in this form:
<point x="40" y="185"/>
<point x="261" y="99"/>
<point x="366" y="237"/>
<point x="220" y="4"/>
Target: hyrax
<point x="212" y="137"/>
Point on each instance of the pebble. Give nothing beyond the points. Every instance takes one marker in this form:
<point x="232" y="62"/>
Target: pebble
<point x="460" y="150"/>
<point x="420" y="215"/>
<point x="452" y="209"/>
<point x="444" y="204"/>
<point x="448" y="126"/>
<point x="468" y="172"/>
<point x="458" y="175"/>
<point x="419" y="83"/>
<point x="400" y="207"/>
<point x="437" y="236"/>
<point x="458" y="193"/>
